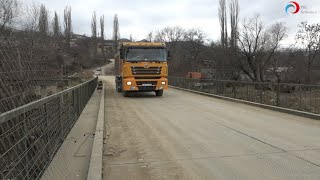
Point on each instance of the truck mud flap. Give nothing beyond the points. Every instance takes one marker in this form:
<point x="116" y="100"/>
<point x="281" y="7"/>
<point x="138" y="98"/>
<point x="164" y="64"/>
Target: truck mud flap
<point x="118" y="81"/>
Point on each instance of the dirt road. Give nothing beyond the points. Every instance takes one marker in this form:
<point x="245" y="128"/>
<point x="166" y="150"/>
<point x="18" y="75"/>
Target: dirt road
<point x="108" y="70"/>
<point x="188" y="136"/>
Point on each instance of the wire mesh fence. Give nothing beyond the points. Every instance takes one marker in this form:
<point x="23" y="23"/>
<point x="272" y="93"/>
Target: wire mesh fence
<point x="28" y="71"/>
<point x="293" y="96"/>
<point x="30" y="135"/>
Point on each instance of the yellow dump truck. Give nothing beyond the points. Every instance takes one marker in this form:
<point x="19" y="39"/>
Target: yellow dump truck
<point x="141" y="66"/>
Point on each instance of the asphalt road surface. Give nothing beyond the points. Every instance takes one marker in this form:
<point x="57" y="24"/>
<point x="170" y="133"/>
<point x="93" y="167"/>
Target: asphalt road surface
<point x="188" y="136"/>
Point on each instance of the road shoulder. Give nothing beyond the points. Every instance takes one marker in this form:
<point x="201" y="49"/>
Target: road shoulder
<point x="72" y="159"/>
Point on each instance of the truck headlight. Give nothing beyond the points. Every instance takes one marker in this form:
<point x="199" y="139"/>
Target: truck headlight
<point x="129" y="83"/>
<point x="163" y="83"/>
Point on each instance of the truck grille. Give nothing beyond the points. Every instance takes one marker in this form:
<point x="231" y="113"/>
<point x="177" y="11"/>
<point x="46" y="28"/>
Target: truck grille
<point x="146" y="71"/>
<point x="147" y="77"/>
<point x="140" y="83"/>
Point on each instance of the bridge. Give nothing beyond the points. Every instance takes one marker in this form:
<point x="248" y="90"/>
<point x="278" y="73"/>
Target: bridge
<point x="182" y="135"/>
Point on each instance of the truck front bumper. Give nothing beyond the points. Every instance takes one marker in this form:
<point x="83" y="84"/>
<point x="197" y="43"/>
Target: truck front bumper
<point x="132" y="84"/>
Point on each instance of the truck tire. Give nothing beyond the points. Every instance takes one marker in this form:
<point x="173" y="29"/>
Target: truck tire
<point x="118" y="81"/>
<point x="118" y="89"/>
<point x="159" y="92"/>
<point x="125" y="94"/>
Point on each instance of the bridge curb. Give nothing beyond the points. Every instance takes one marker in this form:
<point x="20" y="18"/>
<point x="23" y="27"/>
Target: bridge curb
<point x="95" y="166"/>
<point x="275" y="108"/>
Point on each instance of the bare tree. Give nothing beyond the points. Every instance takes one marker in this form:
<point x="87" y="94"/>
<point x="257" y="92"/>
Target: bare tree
<point x="102" y="34"/>
<point x="150" y="37"/>
<point x="195" y="39"/>
<point x="276" y="33"/>
<point x="222" y="12"/>
<point x="234" y="20"/>
<point x="67" y="25"/>
<point x="171" y="35"/>
<point x="308" y="38"/>
<point x="31" y="22"/>
<point x="282" y="66"/>
<point x="94" y="26"/>
<point x="251" y="40"/>
<point x="116" y="31"/>
<point x="43" y="21"/>
<point x="257" y="45"/>
<point x="9" y="10"/>
<point x="94" y="33"/>
<point x="56" y="26"/>
<point x="222" y="15"/>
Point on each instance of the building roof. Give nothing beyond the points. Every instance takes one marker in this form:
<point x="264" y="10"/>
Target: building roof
<point x="143" y="44"/>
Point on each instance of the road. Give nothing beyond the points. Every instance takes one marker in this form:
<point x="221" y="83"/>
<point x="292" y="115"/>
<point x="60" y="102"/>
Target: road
<point x="108" y="69"/>
<point x="189" y="136"/>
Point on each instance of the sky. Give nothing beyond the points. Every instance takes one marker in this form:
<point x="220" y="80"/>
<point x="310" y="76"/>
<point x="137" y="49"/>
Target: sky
<point x="139" y="17"/>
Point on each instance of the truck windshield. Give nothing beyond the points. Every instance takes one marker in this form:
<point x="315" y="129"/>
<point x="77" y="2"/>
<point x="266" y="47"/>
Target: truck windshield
<point x="146" y="54"/>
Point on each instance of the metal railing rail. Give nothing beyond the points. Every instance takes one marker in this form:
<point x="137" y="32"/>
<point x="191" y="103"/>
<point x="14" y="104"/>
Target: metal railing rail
<point x="31" y="135"/>
<point x="302" y="97"/>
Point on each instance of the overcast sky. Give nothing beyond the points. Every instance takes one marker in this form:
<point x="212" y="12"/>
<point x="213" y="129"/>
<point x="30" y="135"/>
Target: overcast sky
<point x="138" y="17"/>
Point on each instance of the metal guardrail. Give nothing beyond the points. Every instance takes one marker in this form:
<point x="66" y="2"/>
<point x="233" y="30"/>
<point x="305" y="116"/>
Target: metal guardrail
<point x="300" y="97"/>
<point x="31" y="135"/>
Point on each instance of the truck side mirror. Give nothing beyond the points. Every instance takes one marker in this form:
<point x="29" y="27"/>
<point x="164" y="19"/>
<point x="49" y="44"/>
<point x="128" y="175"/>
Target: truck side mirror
<point x="169" y="55"/>
<point x="121" y="53"/>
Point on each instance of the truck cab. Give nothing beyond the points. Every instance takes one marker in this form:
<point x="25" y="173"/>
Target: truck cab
<point x="141" y="66"/>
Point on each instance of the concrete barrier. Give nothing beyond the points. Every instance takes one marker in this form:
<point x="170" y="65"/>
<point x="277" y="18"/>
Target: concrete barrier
<point x="95" y="166"/>
<point x="275" y="108"/>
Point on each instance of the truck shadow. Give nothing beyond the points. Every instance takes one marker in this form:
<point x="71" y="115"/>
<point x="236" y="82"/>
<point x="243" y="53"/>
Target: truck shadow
<point x="142" y="95"/>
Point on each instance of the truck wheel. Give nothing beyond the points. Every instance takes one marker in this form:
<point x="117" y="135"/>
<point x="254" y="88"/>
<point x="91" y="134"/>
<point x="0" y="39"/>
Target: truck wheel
<point x="118" y="84"/>
<point x="118" y="89"/>
<point x="159" y="92"/>
<point x="125" y="93"/>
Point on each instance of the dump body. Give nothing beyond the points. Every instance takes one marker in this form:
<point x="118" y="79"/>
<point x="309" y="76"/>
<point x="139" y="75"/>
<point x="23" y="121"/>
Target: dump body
<point x="141" y="66"/>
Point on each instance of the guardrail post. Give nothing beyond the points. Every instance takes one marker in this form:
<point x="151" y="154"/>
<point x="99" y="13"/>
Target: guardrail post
<point x="76" y="103"/>
<point x="80" y="101"/>
<point x="79" y="97"/>
<point x="73" y="103"/>
<point x="261" y="93"/>
<point x="234" y="90"/>
<point x="87" y="92"/>
<point x="278" y="94"/>
<point x="82" y="98"/>
<point x="224" y="88"/>
<point x="183" y="83"/>
<point x="26" y="145"/>
<point x="316" y="101"/>
<point x="61" y="118"/>
<point x="300" y="99"/>
<point x="247" y="94"/>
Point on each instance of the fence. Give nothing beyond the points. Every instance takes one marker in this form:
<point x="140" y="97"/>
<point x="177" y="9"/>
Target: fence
<point x="293" y="96"/>
<point x="29" y="70"/>
<point x="31" y="134"/>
